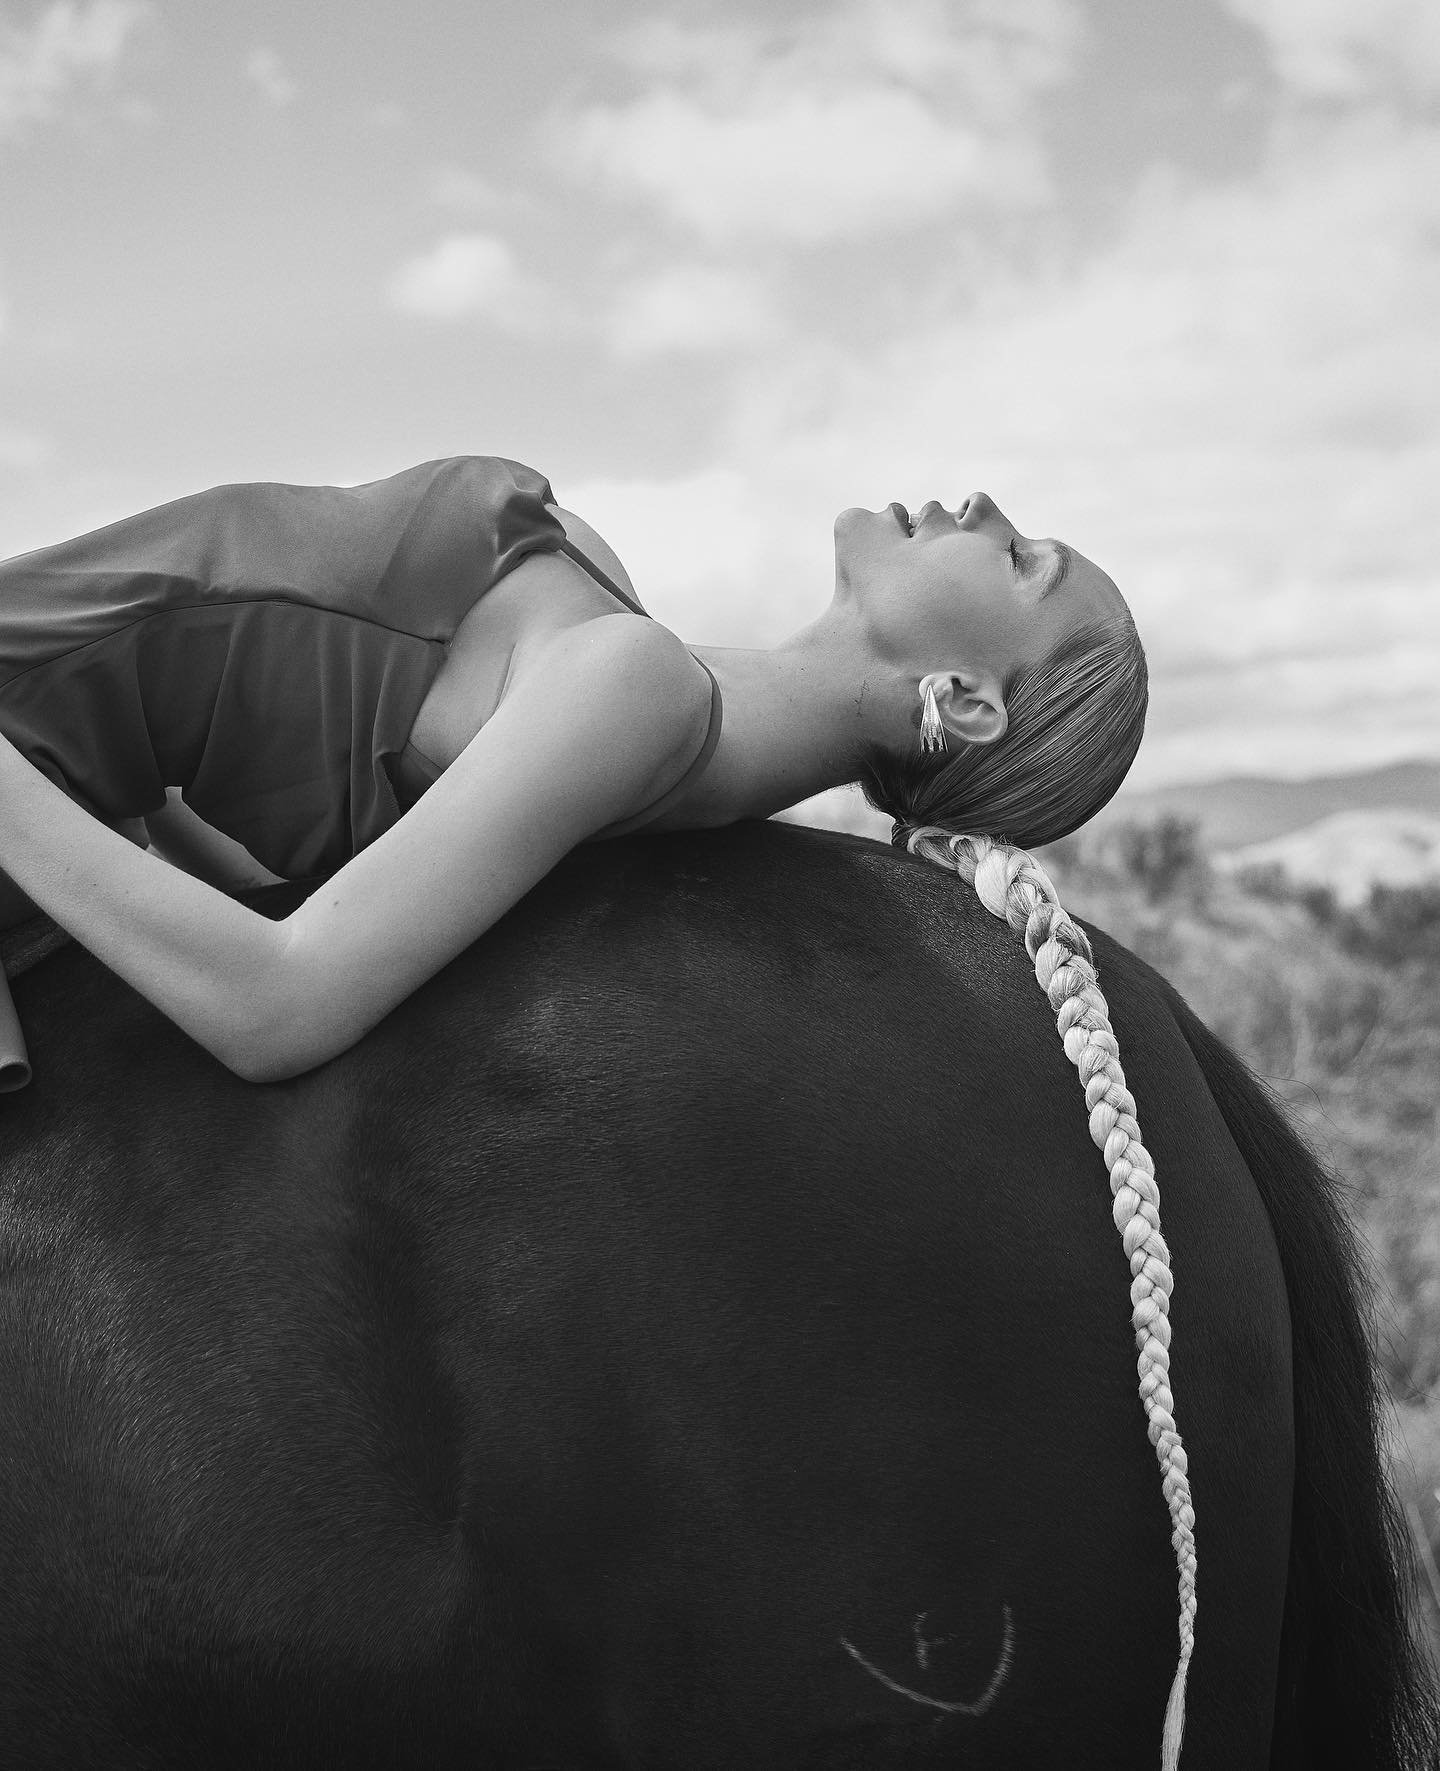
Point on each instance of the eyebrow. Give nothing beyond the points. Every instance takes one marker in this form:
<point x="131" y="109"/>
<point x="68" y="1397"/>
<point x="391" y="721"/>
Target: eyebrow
<point x="1061" y="560"/>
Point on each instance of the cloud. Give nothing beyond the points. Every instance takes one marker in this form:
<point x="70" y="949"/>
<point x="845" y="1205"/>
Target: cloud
<point x="869" y="119"/>
<point x="804" y="166"/>
<point x="1337" y="49"/>
<point x="691" y="308"/>
<point x="466" y="276"/>
<point x="464" y="192"/>
<point x="668" y="532"/>
<point x="268" y="74"/>
<point x="66" y="50"/>
<point x="21" y="449"/>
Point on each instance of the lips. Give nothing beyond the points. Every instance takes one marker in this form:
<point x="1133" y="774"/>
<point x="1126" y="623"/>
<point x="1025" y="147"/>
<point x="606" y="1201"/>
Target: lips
<point x="901" y="515"/>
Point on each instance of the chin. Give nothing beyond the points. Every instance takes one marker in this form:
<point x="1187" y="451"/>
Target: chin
<point x="846" y="526"/>
<point x="857" y="518"/>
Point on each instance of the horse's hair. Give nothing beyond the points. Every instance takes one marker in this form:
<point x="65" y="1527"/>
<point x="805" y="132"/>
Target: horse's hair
<point x="1012" y="885"/>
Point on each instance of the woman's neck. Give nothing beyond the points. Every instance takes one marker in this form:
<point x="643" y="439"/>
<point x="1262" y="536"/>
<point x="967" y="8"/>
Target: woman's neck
<point x="798" y="719"/>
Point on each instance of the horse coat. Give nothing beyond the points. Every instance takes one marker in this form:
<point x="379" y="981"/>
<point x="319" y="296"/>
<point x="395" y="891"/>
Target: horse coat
<point x="689" y="1333"/>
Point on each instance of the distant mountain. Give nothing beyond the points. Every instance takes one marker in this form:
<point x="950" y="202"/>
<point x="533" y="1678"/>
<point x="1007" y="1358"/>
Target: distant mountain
<point x="1239" y="813"/>
<point x="1247" y="809"/>
<point x="1351" y="851"/>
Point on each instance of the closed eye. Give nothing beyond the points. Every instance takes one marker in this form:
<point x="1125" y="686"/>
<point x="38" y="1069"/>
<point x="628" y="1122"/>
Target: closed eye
<point x="1061" y="559"/>
<point x="1058" y="559"/>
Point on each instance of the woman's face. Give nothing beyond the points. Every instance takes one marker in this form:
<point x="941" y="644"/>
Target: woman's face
<point x="964" y="585"/>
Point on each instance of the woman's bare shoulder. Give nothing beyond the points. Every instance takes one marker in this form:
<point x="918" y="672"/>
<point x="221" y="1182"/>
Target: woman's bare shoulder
<point x="595" y="547"/>
<point x="638" y="671"/>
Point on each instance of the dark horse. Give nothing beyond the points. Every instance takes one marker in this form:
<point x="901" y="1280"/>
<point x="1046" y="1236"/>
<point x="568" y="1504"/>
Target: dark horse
<point x="690" y="1333"/>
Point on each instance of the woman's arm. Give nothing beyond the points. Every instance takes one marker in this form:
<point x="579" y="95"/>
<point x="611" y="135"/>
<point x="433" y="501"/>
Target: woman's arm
<point x="594" y="730"/>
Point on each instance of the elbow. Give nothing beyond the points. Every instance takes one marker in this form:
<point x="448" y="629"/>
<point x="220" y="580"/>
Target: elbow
<point x="273" y="1042"/>
<point x="264" y="1064"/>
<point x="294" y="1014"/>
<point x="260" y="1057"/>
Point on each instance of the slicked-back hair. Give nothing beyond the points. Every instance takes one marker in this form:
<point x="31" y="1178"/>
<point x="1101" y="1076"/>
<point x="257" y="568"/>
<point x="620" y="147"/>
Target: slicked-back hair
<point x="1075" y="723"/>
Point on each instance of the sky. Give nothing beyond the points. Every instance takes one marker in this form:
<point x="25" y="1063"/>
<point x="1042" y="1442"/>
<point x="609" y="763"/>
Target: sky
<point x="1162" y="276"/>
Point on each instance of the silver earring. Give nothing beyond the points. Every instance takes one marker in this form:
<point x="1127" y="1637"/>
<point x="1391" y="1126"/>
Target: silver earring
<point x="932" y="732"/>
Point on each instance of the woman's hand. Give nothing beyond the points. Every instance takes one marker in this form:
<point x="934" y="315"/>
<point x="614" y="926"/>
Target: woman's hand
<point x="601" y="723"/>
<point x="205" y="960"/>
<point x="183" y="838"/>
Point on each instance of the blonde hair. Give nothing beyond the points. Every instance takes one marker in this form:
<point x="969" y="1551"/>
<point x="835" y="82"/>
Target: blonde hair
<point x="1075" y="723"/>
<point x="1013" y="886"/>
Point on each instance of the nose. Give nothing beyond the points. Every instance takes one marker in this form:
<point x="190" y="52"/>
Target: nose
<point x="976" y="510"/>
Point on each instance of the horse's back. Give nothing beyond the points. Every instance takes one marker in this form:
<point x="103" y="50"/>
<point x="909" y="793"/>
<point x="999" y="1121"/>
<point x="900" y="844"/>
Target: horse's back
<point x="690" y="1332"/>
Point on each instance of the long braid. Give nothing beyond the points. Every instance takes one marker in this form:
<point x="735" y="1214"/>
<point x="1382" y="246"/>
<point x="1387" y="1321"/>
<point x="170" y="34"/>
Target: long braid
<point x="1012" y="885"/>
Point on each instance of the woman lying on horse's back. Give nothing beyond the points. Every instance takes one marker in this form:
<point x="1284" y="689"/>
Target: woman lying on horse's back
<point x="430" y="688"/>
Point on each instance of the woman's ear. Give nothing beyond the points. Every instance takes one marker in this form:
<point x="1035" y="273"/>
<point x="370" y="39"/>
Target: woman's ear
<point x="971" y="704"/>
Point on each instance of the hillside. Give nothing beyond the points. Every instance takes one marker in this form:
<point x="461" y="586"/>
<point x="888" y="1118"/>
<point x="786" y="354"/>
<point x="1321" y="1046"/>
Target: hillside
<point x="1243" y="809"/>
<point x="1349" y="852"/>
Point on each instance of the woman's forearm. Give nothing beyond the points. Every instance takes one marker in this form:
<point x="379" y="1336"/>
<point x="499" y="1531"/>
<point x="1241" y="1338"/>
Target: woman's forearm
<point x="213" y="966"/>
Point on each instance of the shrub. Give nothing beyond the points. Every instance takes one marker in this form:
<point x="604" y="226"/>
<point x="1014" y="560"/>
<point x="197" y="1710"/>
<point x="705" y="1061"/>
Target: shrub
<point x="1165" y="858"/>
<point x="1268" y="880"/>
<point x="1397" y="925"/>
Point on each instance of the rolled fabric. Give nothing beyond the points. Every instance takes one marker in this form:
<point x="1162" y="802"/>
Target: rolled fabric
<point x="14" y="1059"/>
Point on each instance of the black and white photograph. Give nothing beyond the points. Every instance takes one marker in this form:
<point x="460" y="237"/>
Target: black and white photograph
<point x="720" y="885"/>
